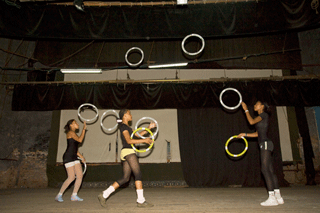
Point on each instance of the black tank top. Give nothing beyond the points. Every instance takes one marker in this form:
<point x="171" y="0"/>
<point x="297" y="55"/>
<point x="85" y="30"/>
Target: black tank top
<point x="262" y="127"/>
<point x="71" y="152"/>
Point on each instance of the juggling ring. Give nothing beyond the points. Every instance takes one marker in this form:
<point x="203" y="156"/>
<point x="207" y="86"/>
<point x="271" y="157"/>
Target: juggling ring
<point x="149" y="118"/>
<point x="88" y="120"/>
<point x="84" y="164"/>
<point x="151" y="145"/>
<point x="236" y="155"/>
<point x="227" y="107"/>
<point x="194" y="53"/>
<point x="104" y="115"/>
<point x="127" y="53"/>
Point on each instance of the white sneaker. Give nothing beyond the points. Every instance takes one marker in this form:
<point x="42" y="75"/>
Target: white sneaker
<point x="271" y="201"/>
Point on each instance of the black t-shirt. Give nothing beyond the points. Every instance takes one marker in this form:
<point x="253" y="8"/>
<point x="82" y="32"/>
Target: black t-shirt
<point x="262" y="127"/>
<point x="124" y="127"/>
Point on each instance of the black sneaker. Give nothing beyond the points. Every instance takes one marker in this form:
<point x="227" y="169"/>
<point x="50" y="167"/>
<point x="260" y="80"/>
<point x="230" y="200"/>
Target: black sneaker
<point x="102" y="200"/>
<point x="145" y="204"/>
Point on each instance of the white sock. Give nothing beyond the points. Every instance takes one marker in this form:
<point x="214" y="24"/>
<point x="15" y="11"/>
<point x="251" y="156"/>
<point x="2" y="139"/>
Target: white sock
<point x="74" y="194"/>
<point x="271" y="193"/>
<point x="107" y="193"/>
<point x="140" y="198"/>
<point x="60" y="193"/>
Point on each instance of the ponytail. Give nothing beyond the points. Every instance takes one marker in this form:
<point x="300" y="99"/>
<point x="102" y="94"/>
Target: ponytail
<point x="67" y="126"/>
<point x="267" y="108"/>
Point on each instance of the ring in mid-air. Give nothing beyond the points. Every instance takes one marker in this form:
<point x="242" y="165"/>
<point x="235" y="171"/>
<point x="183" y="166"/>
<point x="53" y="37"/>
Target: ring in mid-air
<point x="88" y="106"/>
<point x="226" y="106"/>
<point x="240" y="154"/>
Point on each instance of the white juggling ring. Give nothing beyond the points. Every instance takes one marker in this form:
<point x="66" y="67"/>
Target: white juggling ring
<point x="147" y="118"/>
<point x="192" y="35"/>
<point x="131" y="50"/>
<point x="84" y="165"/>
<point x="91" y="119"/>
<point x="228" y="107"/>
<point x="104" y="115"/>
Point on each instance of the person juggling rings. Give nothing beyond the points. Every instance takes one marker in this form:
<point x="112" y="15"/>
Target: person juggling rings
<point x="130" y="162"/>
<point x="71" y="160"/>
<point x="261" y="123"/>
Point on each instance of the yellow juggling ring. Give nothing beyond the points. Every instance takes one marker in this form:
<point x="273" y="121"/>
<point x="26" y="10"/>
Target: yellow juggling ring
<point x="152" y="137"/>
<point x="236" y="155"/>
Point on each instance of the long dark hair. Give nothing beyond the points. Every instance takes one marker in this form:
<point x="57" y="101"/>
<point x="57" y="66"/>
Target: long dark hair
<point x="67" y="126"/>
<point x="121" y="114"/>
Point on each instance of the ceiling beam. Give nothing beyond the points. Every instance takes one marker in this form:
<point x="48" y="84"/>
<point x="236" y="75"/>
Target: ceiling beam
<point x="131" y="4"/>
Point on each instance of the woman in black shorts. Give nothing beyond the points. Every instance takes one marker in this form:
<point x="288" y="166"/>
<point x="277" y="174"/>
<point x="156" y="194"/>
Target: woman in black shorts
<point x="70" y="160"/>
<point x="261" y="123"/>
<point x="130" y="162"/>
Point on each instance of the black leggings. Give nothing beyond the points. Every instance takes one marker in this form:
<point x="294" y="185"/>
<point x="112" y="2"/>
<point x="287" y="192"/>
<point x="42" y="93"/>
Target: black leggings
<point x="268" y="171"/>
<point x="130" y="165"/>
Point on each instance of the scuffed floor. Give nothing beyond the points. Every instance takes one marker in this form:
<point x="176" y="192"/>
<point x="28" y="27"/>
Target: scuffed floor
<point x="178" y="200"/>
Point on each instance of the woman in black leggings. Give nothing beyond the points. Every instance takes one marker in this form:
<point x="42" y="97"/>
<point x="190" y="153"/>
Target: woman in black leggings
<point x="130" y="162"/>
<point x="261" y="123"/>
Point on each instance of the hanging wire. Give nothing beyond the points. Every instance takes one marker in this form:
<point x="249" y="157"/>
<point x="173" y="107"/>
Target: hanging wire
<point x="71" y="55"/>
<point x="148" y="61"/>
<point x="98" y="58"/>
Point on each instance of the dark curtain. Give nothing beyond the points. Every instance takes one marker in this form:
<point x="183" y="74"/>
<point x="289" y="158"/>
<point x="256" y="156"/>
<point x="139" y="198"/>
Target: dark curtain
<point x="55" y="96"/>
<point x="216" y="20"/>
<point x="203" y="133"/>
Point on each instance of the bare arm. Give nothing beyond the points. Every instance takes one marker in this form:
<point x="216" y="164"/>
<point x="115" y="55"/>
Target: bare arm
<point x="81" y="156"/>
<point x="250" y="135"/>
<point x="73" y="135"/>
<point x="249" y="118"/>
<point x="151" y="126"/>
<point x="135" y="141"/>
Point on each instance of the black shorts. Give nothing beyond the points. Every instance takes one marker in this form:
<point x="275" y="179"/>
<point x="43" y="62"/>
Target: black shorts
<point x="266" y="145"/>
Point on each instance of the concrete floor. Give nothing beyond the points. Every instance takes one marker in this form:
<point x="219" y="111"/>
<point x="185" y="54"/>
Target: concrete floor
<point x="179" y="200"/>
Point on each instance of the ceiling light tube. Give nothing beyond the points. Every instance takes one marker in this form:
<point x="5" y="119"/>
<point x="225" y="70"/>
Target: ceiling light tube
<point x="168" y="65"/>
<point x="81" y="71"/>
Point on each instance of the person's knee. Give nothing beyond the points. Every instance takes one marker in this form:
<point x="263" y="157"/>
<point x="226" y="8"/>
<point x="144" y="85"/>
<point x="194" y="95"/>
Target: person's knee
<point x="71" y="178"/>
<point x="126" y="179"/>
<point x="79" y="177"/>
<point x="264" y="170"/>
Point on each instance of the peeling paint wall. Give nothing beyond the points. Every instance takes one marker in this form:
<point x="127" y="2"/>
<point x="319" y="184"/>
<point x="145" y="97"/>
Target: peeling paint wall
<point x="24" y="136"/>
<point x="24" y="146"/>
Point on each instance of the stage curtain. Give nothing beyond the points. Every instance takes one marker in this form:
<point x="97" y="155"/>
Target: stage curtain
<point x="39" y="21"/>
<point x="203" y="133"/>
<point x="55" y="96"/>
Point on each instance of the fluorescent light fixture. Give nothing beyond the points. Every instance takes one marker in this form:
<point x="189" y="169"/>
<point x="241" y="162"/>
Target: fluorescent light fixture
<point x="81" y="71"/>
<point x="168" y="65"/>
<point x="182" y="2"/>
